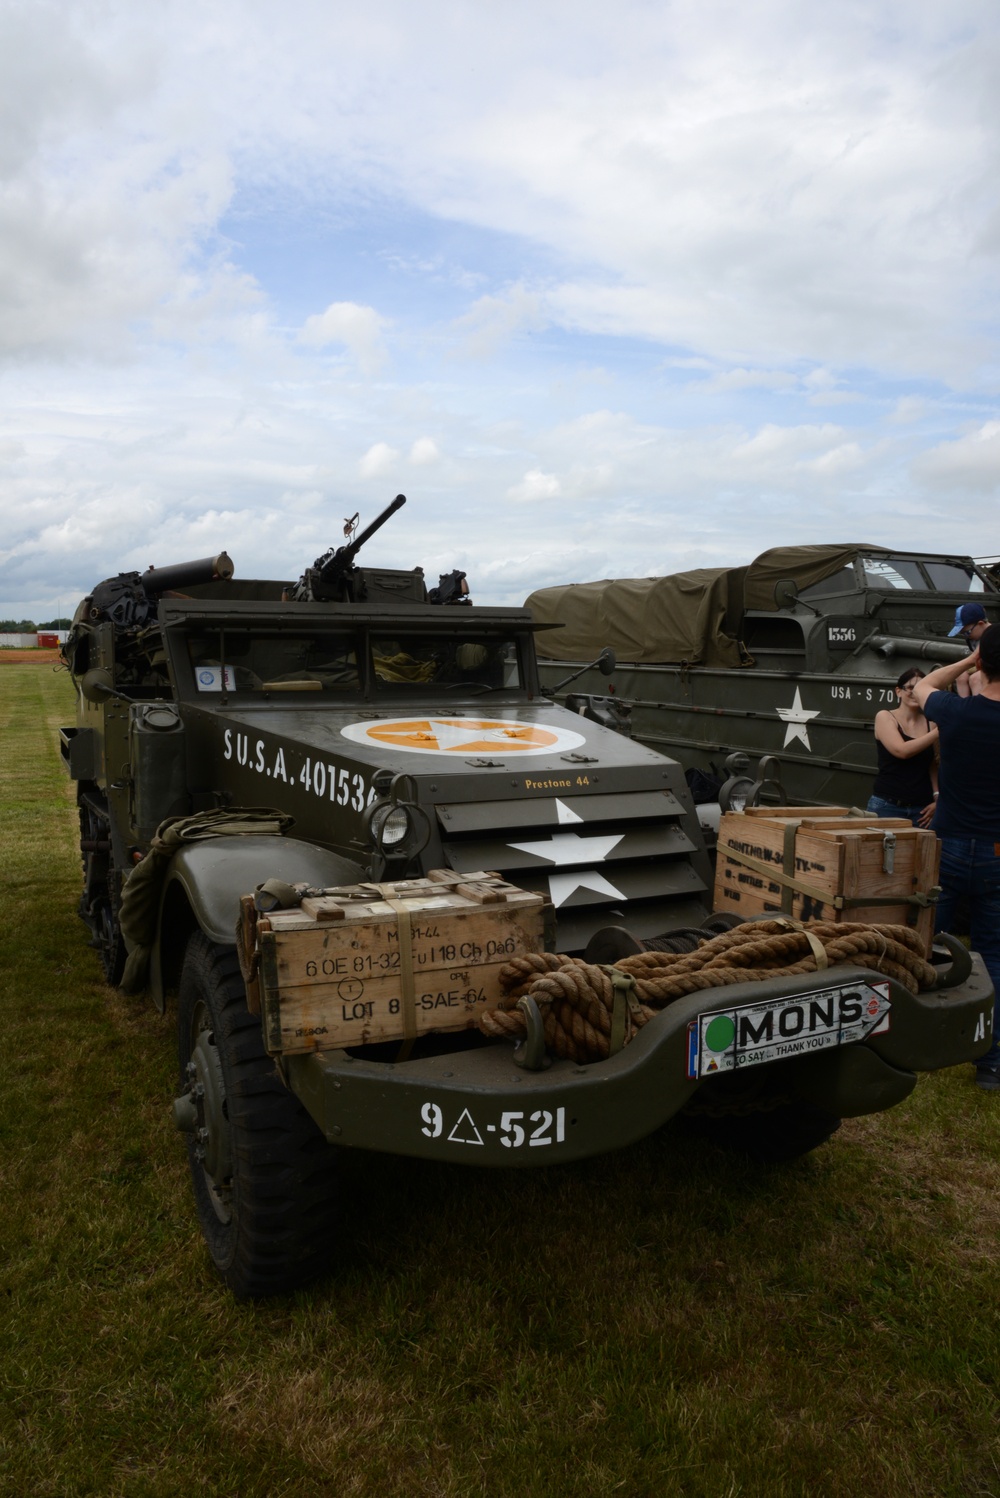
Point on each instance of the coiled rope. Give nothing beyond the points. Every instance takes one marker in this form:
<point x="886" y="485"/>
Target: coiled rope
<point x="576" y="999"/>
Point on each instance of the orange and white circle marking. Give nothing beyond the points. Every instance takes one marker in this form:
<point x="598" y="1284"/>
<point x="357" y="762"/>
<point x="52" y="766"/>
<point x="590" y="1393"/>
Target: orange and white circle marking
<point x="463" y="736"/>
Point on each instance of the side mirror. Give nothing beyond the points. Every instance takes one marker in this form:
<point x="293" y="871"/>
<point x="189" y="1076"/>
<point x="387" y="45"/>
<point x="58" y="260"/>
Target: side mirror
<point x="605" y="663"/>
<point x="785" y="593"/>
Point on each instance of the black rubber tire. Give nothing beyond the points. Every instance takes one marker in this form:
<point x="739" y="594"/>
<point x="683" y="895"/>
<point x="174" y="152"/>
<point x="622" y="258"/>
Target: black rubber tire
<point x="102" y="886"/>
<point x="281" y="1195"/>
<point x="772" y="1136"/>
<point x="720" y="922"/>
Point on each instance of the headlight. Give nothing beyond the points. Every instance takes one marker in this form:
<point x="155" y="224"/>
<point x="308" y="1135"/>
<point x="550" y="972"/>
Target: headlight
<point x="389" y="825"/>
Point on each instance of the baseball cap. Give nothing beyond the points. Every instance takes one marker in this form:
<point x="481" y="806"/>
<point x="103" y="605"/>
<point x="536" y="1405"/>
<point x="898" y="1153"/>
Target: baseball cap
<point x="966" y="615"/>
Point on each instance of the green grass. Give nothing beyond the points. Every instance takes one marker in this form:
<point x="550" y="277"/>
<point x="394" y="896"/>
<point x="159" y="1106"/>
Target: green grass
<point x="663" y="1320"/>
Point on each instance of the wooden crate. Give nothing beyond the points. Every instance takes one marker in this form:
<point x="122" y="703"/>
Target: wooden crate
<point x="366" y="963"/>
<point x="833" y="858"/>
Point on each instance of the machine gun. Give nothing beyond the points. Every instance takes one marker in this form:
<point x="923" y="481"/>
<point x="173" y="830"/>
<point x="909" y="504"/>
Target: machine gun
<point x="130" y="599"/>
<point x="452" y="588"/>
<point x="331" y="578"/>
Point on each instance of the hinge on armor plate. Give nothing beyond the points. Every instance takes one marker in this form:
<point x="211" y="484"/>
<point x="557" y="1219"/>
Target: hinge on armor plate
<point x="579" y="759"/>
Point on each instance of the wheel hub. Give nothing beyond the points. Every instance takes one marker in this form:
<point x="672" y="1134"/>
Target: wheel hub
<point x="201" y="1112"/>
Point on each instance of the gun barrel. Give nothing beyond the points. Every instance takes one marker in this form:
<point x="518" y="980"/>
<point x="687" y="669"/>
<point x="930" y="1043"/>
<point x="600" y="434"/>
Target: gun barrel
<point x="376" y="525"/>
<point x="186" y="574"/>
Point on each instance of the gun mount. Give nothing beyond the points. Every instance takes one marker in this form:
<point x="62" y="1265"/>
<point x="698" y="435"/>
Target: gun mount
<point x="333" y="577"/>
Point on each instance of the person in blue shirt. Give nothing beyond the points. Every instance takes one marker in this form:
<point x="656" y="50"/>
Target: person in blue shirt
<point x="967" y="819"/>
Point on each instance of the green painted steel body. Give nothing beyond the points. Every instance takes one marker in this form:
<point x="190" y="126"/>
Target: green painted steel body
<point x="614" y="1102"/>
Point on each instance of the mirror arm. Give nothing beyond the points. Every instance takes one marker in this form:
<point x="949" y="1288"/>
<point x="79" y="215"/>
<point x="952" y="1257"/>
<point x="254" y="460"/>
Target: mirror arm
<point x="551" y="691"/>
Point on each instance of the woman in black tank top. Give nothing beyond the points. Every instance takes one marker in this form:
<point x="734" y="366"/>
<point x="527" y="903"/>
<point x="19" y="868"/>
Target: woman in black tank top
<point x="906" y="783"/>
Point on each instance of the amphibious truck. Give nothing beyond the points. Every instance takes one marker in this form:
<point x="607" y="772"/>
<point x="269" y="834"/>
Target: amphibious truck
<point x="354" y="728"/>
<point x="791" y="656"/>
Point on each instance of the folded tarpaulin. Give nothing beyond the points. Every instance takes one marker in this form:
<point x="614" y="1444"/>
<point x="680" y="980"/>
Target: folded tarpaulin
<point x="692" y="616"/>
<point x="804" y="565"/>
<point x="684" y="617"/>
<point x="141" y="891"/>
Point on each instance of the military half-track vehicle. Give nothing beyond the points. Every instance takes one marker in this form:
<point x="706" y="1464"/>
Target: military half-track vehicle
<point x="791" y="656"/>
<point x="354" y="727"/>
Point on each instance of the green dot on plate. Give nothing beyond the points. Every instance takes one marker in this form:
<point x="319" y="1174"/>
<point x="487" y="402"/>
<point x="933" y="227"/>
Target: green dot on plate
<point x="720" y="1033"/>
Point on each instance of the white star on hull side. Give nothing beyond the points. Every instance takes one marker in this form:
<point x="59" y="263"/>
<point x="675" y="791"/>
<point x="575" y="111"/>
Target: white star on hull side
<point x="795" y="719"/>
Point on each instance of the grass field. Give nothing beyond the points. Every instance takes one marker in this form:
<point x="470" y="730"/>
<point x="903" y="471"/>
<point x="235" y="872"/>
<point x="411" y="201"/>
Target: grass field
<point x="661" y="1321"/>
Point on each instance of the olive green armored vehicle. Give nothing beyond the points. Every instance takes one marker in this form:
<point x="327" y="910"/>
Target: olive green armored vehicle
<point x="355" y="728"/>
<point x="791" y="656"/>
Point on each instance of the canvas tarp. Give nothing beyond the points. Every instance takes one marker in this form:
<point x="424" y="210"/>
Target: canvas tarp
<point x="688" y="616"/>
<point x="645" y="619"/>
<point x="805" y="565"/>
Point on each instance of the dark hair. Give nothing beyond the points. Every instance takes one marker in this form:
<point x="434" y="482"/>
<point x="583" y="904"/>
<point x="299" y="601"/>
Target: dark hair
<point x="906" y="676"/>
<point x="989" y="652"/>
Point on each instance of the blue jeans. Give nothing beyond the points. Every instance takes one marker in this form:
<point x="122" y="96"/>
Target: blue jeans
<point x="878" y="806"/>
<point x="970" y="870"/>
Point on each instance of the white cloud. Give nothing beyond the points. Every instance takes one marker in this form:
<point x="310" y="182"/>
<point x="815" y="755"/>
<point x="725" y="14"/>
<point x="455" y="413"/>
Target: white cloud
<point x="378" y="460"/>
<point x="357" y="328"/>
<point x="700" y="202"/>
<point x="423" y="452"/>
<point x="492" y="320"/>
<point x="750" y="379"/>
<point x="907" y="409"/>
<point x="535" y="485"/>
<point x="970" y="463"/>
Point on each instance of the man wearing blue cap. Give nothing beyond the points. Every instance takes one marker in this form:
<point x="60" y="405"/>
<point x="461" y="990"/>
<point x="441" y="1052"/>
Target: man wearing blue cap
<point x="967" y="819"/>
<point x="971" y="623"/>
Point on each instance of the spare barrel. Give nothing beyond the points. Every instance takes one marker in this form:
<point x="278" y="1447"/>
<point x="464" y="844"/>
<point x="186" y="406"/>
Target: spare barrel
<point x="186" y="574"/>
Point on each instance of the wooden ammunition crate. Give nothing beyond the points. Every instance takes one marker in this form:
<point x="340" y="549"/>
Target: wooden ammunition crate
<point x="835" y="862"/>
<point x="370" y="962"/>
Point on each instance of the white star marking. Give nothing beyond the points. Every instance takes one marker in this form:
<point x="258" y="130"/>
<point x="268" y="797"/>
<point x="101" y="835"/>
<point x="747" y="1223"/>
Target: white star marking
<point x="459" y="735"/>
<point x="567" y="847"/>
<point x="566" y="813"/>
<point x="796" y="717"/>
<point x="561" y="886"/>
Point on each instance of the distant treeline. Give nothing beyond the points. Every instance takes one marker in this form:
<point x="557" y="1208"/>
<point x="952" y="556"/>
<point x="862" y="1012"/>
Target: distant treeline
<point x="28" y="626"/>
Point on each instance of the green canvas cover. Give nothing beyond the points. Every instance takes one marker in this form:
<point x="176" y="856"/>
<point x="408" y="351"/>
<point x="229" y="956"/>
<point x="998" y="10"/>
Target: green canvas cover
<point x="688" y="616"/>
<point x="805" y="565"/>
<point x="645" y="620"/>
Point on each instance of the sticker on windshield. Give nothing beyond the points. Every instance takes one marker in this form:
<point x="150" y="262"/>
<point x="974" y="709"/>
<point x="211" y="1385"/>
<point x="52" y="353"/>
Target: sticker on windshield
<point x="464" y="736"/>
<point x="770" y="1030"/>
<point x="209" y="678"/>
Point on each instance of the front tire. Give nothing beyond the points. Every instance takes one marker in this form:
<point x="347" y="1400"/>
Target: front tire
<point x="263" y="1174"/>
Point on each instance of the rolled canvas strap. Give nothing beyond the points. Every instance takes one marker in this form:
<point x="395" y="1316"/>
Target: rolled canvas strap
<point x="408" y="996"/>
<point x="788" y="864"/>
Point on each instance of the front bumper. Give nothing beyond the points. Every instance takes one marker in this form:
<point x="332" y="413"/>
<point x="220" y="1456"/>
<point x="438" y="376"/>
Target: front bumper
<point x="478" y="1108"/>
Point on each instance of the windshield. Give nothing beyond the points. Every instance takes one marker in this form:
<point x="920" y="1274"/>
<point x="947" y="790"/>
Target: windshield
<point x="314" y="661"/>
<point x="953" y="577"/>
<point x="327" y="661"/>
<point x="893" y="572"/>
<point x="844" y="581"/>
<point x="482" y="662"/>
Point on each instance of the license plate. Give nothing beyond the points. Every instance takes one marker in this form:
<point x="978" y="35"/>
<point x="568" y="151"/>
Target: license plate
<point x="752" y="1034"/>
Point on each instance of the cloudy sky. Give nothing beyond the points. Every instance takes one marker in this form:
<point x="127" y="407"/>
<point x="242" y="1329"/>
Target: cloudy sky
<point x="604" y="290"/>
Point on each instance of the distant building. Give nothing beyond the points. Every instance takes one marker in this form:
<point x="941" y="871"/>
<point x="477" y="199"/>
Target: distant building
<point x="41" y="639"/>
